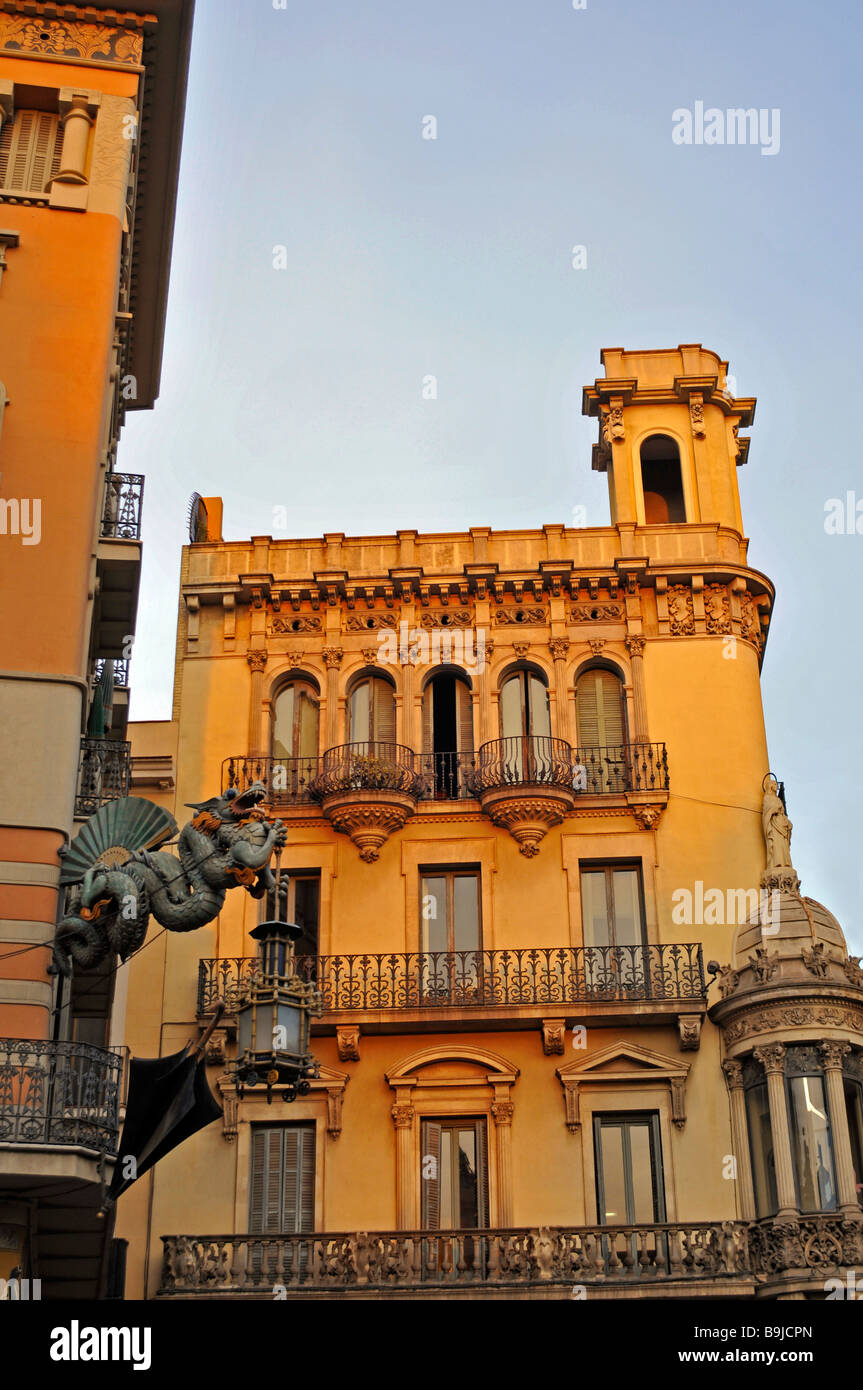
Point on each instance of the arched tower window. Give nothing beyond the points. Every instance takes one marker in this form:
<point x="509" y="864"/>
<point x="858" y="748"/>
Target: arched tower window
<point x="662" y="480"/>
<point x="372" y="711"/>
<point x="447" y="733"/>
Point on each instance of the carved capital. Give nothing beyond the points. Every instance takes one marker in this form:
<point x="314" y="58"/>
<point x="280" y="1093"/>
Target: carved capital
<point x="771" y="1057"/>
<point x="332" y="657"/>
<point x="403" y="1116"/>
<point x="503" y="1111"/>
<point x="733" y="1075"/>
<point x="559" y="646"/>
<point x="634" y="645"/>
<point x="348" y="1043"/>
<point x="833" y="1052"/>
<point x="257" y="661"/>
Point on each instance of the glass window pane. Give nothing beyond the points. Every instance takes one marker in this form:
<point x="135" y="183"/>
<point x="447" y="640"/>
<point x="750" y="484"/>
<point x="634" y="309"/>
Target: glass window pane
<point x="359" y="721"/>
<point x="511" y="708"/>
<point x="854" y="1106"/>
<point x="641" y="1163"/>
<point x="466" y="911"/>
<point x="468" y="1195"/>
<point x="283" y="724"/>
<point x="810" y="1142"/>
<point x="613" y="1177"/>
<point x="594" y="909"/>
<point x="433" y="914"/>
<point x="540" y="716"/>
<point x="627" y="908"/>
<point x="761" y="1150"/>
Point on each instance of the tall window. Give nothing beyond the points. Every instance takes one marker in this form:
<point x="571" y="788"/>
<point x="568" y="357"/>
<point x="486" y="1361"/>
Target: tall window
<point x="454" y="1174"/>
<point x="449" y="910"/>
<point x="295" y="735"/>
<point x="612" y="905"/>
<point x="299" y="902"/>
<point x="661" y="481"/>
<point x="809" y="1122"/>
<point x="761" y="1151"/>
<point x="30" y="147"/>
<point x="600" y="706"/>
<point x="372" y="712"/>
<point x="447" y="734"/>
<point x="524" y="707"/>
<point x="281" y="1194"/>
<point x="630" y="1188"/>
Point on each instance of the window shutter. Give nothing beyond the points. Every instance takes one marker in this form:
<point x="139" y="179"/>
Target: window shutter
<point x="264" y="1205"/>
<point x="482" y="1172"/>
<point x="464" y="717"/>
<point x="599" y="710"/>
<point x="430" y="1149"/>
<point x="30" y="151"/>
<point x="306" y="1208"/>
<point x="384" y="712"/>
<point x="282" y="1189"/>
<point x="428" y="718"/>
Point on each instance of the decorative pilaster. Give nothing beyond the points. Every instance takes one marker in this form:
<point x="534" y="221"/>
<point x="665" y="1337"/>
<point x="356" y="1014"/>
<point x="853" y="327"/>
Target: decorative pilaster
<point x="740" y="1139"/>
<point x="502" y="1111"/>
<point x="332" y="660"/>
<point x="772" y="1058"/>
<point x="559" y="646"/>
<point x="635" y="647"/>
<point x="257" y="665"/>
<point x="833" y="1052"/>
<point x="403" y="1119"/>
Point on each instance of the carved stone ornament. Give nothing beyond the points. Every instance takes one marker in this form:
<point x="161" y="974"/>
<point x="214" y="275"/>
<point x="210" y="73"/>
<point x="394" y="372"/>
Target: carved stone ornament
<point x="729" y="980"/>
<point x="689" y="1027"/>
<point x="289" y="627"/>
<point x="764" y="964"/>
<point x="553" y="1036"/>
<point x="680" y="611"/>
<point x="833" y="1053"/>
<point x="596" y="613"/>
<point x="40" y="32"/>
<point x="596" y="645"/>
<point x="447" y="617"/>
<point x="558" y="646"/>
<point x="369" y="622"/>
<point x="634" y="645"/>
<point x="521" y="649"/>
<point x="776" y="827"/>
<point x="296" y="659"/>
<point x="768" y="1020"/>
<point x="853" y="970"/>
<point x="370" y="824"/>
<point x="733" y="1074"/>
<point x="503" y="1111"/>
<point x="257" y="661"/>
<point x="647" y="816"/>
<point x="749" y="624"/>
<point x="518" y="617"/>
<point x="717" y="608"/>
<point x="227" y="1088"/>
<point x="696" y="416"/>
<point x="612" y="425"/>
<point x="403" y="1116"/>
<point x="348" y="1043"/>
<point x="815" y="960"/>
<point x="771" y="1057"/>
<point x="332" y="657"/>
<point x="370" y="655"/>
<point x="528" y="819"/>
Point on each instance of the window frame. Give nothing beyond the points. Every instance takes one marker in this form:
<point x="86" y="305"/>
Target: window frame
<point x="624" y="1118"/>
<point x="609" y="866"/>
<point x="450" y="873"/>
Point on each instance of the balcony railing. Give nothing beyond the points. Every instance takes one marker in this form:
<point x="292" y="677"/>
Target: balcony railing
<point x="104" y="773"/>
<point x="64" y="1093"/>
<point x="442" y="776"/>
<point x="121" y="672"/>
<point x="124" y="496"/>
<point x="369" y="766"/>
<point x="392" y="1261"/>
<point x="547" y="976"/>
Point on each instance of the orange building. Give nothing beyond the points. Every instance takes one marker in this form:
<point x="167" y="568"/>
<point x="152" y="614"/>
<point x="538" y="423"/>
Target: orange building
<point x="91" y="109"/>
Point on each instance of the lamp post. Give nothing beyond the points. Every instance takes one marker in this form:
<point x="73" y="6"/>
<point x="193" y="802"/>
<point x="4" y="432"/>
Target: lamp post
<point x="274" y="1016"/>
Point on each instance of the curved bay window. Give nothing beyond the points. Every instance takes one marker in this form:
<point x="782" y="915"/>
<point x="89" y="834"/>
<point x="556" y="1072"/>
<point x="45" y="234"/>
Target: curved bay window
<point x="600" y="708"/>
<point x="447" y="734"/>
<point x="662" y="481"/>
<point x="852" y="1079"/>
<point x="372" y="712"/>
<point x="809" y="1124"/>
<point x="761" y="1150"/>
<point x="295" y="735"/>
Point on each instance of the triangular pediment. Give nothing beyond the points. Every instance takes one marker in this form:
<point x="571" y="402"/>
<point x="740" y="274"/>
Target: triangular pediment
<point x="623" y="1059"/>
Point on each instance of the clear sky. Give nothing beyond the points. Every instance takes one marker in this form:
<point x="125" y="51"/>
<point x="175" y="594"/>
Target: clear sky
<point x="302" y="387"/>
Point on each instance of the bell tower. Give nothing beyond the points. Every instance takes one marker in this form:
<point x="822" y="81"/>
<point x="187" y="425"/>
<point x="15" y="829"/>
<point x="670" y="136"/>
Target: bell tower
<point x="669" y="438"/>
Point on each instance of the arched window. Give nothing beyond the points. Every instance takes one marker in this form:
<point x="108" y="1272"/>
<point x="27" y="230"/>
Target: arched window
<point x="661" y="480"/>
<point x="295" y="721"/>
<point x="524" y="707"/>
<point x="600" y="709"/>
<point x="447" y="734"/>
<point x="372" y="712"/>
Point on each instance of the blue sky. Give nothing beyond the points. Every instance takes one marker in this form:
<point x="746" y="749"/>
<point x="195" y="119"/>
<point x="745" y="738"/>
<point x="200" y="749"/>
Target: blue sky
<point x="301" y="388"/>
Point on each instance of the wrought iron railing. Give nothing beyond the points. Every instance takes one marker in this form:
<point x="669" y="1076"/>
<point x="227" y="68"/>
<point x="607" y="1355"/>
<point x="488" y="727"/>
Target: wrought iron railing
<point x="544" y="975"/>
<point x="124" y="496"/>
<point x="65" y="1093"/>
<point x="391" y="1261"/>
<point x="121" y="672"/>
<point x="447" y="776"/>
<point x="512" y="762"/>
<point x="288" y="780"/>
<point x="621" y="767"/>
<point x="104" y="773"/>
<point x="368" y="766"/>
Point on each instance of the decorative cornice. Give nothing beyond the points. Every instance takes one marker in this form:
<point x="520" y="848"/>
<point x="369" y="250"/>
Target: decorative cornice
<point x="57" y="32"/>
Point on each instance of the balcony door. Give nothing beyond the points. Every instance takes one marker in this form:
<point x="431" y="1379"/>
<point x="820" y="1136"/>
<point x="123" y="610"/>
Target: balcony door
<point x="281" y="1195"/>
<point x="450" y="961"/>
<point x="600" y="703"/>
<point x="613" y="927"/>
<point x="630" y="1187"/>
<point x="372" y="713"/>
<point x="295" y="737"/>
<point x="447" y="735"/>
<point x="525" y="728"/>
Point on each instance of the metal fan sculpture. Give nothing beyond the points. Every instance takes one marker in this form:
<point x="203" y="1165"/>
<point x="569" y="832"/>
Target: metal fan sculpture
<point x="118" y="876"/>
<point x="197" y="518"/>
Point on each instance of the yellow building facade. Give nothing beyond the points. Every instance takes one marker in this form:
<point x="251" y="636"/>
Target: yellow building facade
<point x="525" y="780"/>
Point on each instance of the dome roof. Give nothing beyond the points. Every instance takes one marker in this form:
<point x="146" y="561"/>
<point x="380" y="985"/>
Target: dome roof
<point x="802" y="923"/>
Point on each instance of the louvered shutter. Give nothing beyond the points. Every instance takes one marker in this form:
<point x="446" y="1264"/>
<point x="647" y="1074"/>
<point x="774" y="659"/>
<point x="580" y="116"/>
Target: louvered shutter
<point x="30" y="151"/>
<point x="599" y="709"/>
<point x="482" y="1172"/>
<point x="265" y="1187"/>
<point x="430" y="1165"/>
<point x="428" y="718"/>
<point x="384" y="711"/>
<point x="464" y="717"/>
<point x="282" y="1188"/>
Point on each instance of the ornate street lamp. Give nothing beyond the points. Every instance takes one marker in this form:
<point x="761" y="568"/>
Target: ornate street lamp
<point x="274" y="1017"/>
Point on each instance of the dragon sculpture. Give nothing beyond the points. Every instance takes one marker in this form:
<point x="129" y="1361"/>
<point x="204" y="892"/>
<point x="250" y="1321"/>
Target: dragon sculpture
<point x="118" y="877"/>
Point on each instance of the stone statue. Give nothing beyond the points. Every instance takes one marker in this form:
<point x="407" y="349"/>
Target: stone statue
<point x="776" y="827"/>
<point x="118" y="876"/>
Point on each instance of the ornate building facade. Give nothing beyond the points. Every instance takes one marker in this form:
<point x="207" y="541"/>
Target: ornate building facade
<point x="91" y="108"/>
<point x="580" y="1032"/>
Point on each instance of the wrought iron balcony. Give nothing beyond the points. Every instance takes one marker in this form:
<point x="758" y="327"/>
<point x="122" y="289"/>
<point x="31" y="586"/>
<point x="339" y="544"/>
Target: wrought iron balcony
<point x="63" y="1093"/>
<point x="124" y="496"/>
<point x="515" y="762"/>
<point x="550" y="977"/>
<point x="104" y="773"/>
<point x="678" y="1254"/>
<point x="622" y="767"/>
<point x="368" y="766"/>
<point x="288" y="780"/>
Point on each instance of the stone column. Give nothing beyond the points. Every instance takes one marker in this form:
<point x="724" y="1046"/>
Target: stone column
<point x="257" y="664"/>
<point x="635" y="647"/>
<point x="403" y="1119"/>
<point x="772" y="1058"/>
<point x="559" y="646"/>
<point x="740" y="1139"/>
<point x="833" y="1052"/>
<point x="502" y="1110"/>
<point x="76" y="119"/>
<point x="486" y="733"/>
<point x="332" y="660"/>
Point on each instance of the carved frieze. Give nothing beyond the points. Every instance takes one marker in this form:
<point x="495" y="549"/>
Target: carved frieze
<point x="39" y="32"/>
<point x="717" y="608"/>
<point x="596" y="613"/>
<point x="532" y="616"/>
<point x="768" y="1020"/>
<point x="288" y="627"/>
<point x="750" y="625"/>
<point x="451" y="617"/>
<point x="681" y="614"/>
<point x="370" y="622"/>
